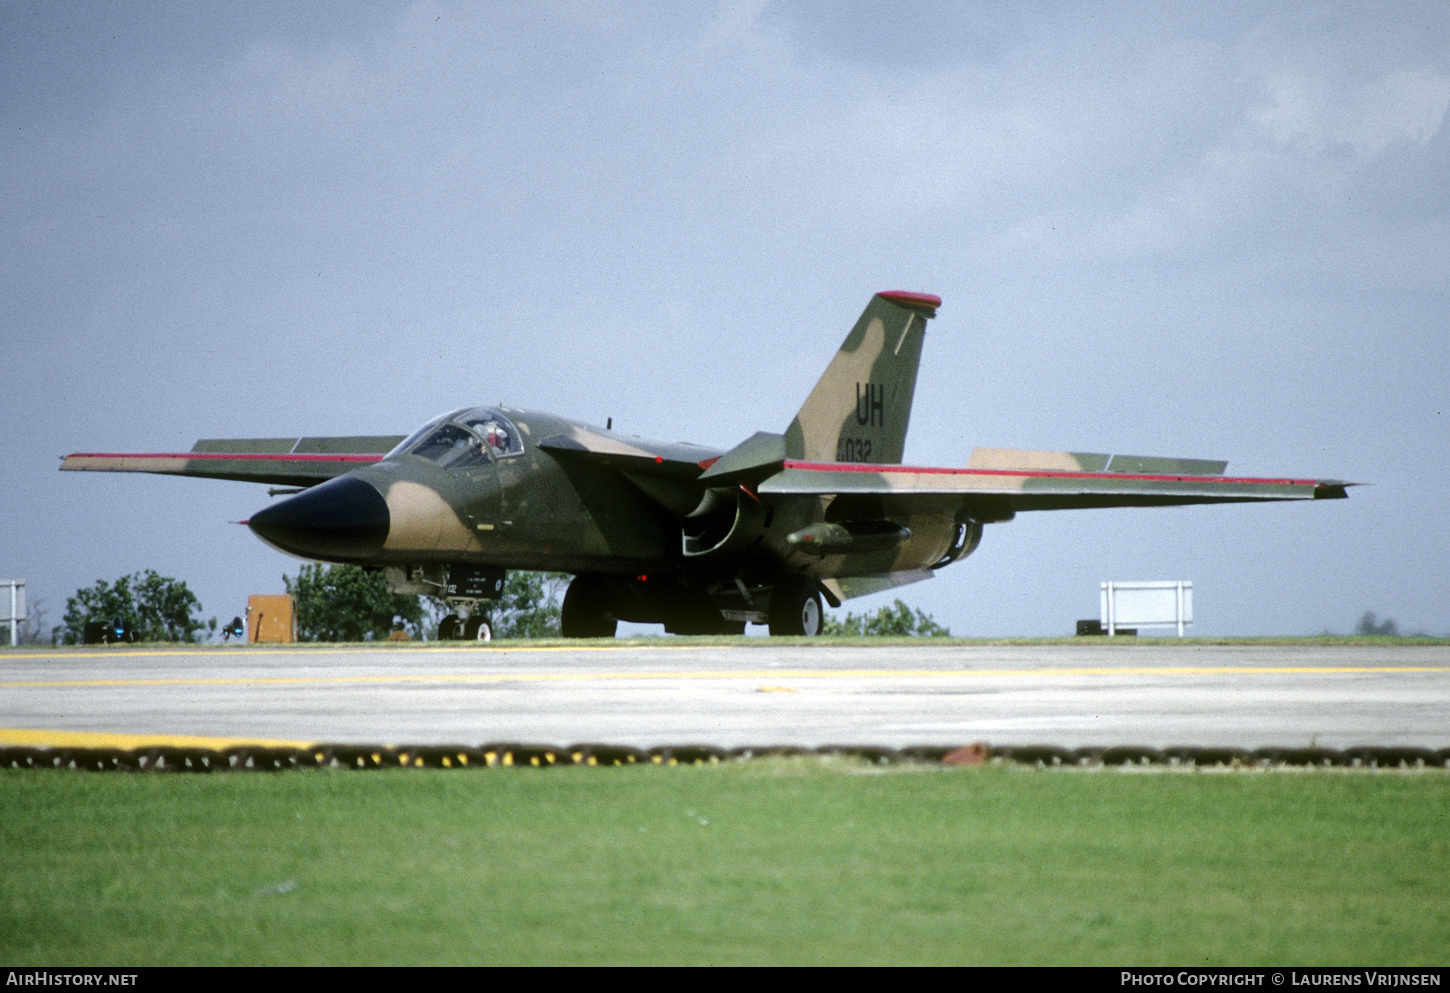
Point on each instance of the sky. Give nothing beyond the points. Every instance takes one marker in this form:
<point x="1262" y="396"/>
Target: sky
<point x="1204" y="230"/>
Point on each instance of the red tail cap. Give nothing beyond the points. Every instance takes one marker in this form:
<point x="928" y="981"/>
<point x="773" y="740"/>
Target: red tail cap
<point x="916" y="301"/>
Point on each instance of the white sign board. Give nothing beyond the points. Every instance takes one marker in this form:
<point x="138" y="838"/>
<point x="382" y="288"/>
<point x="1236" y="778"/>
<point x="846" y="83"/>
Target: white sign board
<point x="1146" y="605"/>
<point x="12" y="606"/>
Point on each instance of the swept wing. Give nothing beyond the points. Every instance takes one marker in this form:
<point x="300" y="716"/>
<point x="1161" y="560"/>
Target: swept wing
<point x="281" y="461"/>
<point x="997" y="483"/>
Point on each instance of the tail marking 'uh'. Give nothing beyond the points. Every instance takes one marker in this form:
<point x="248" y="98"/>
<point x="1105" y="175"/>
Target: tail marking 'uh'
<point x="860" y="408"/>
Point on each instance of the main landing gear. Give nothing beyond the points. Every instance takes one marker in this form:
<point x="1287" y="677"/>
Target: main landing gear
<point x="585" y="612"/>
<point x="795" y="608"/>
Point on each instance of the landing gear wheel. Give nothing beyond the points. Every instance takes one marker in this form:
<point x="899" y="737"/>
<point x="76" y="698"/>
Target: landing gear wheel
<point x="448" y="628"/>
<point x="795" y="608"/>
<point x="477" y="629"/>
<point x="585" y="612"/>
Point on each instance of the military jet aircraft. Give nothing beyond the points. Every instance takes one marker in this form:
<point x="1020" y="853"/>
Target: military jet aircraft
<point x="697" y="539"/>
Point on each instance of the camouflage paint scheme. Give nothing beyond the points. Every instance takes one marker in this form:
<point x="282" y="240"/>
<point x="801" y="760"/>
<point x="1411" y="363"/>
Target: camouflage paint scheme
<point x="700" y="540"/>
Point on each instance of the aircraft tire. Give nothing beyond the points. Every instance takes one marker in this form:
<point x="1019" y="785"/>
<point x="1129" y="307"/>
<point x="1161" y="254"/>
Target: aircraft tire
<point x="585" y="613"/>
<point x="795" y="608"/>
<point x="448" y="628"/>
<point x="477" y="629"/>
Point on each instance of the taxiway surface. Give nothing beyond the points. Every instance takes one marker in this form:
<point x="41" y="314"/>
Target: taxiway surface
<point x="760" y="694"/>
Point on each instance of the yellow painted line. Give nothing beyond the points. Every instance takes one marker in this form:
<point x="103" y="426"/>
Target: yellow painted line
<point x="39" y="738"/>
<point x="750" y="674"/>
<point x="305" y="649"/>
<point x="241" y="651"/>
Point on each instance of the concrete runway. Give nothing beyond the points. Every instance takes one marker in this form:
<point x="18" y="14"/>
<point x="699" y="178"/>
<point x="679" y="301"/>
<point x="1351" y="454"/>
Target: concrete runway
<point x="758" y="694"/>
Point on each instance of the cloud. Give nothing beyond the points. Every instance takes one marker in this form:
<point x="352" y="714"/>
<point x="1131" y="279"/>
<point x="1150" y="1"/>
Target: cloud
<point x="1314" y="116"/>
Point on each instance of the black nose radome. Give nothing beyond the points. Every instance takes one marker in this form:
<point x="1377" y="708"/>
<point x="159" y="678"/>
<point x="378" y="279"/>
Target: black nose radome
<point x="342" y="518"/>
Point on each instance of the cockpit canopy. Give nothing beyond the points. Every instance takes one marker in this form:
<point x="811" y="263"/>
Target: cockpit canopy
<point x="466" y="437"/>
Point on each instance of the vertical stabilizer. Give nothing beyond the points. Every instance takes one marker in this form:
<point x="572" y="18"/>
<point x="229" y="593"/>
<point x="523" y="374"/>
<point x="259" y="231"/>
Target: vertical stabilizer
<point x="860" y="409"/>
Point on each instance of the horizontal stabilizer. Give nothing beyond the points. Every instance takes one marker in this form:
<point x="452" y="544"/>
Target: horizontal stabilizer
<point x="851" y="587"/>
<point x="758" y="456"/>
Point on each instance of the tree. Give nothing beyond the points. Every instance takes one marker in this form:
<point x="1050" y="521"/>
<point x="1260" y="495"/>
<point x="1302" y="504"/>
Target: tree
<point x="349" y="603"/>
<point x="529" y="606"/>
<point x="1367" y="626"/>
<point x="152" y="607"/>
<point x="896" y="621"/>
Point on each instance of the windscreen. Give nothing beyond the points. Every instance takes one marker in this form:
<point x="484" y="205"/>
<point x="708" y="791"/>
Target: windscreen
<point x="420" y="434"/>
<point x="451" y="447"/>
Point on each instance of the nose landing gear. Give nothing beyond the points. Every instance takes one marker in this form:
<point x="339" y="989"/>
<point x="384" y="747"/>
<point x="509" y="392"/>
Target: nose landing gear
<point x="471" y="628"/>
<point x="463" y="589"/>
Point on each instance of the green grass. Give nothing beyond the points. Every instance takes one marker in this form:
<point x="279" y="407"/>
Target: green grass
<point x="782" y="861"/>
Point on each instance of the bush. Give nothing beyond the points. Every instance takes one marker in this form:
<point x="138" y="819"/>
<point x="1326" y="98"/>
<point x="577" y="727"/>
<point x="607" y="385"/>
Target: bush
<point x="151" y="607"/>
<point x="349" y="603"/>
<point x="896" y="621"/>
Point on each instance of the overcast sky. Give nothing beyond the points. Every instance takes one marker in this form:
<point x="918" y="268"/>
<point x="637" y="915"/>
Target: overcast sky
<point x="1205" y="230"/>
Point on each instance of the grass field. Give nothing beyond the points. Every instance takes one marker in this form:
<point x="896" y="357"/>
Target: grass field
<point x="812" y="861"/>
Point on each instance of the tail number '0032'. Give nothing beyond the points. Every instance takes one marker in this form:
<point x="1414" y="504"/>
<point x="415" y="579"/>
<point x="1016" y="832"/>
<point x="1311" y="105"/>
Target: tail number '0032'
<point x="853" y="450"/>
